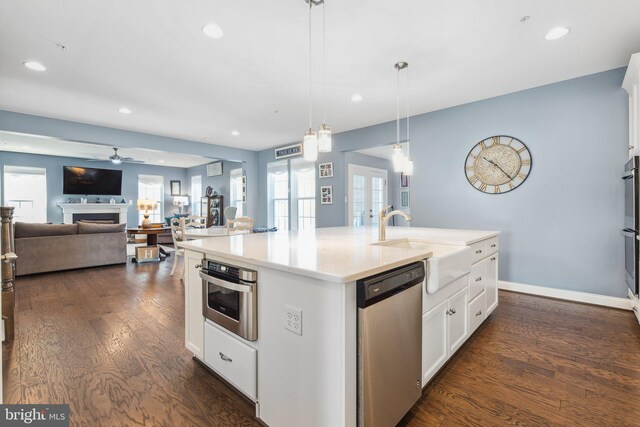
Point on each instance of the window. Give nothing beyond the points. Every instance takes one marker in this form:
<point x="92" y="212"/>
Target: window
<point x="196" y="194"/>
<point x="304" y="193"/>
<point x="151" y="187"/>
<point x="235" y="185"/>
<point x="25" y="189"/>
<point x="278" y="182"/>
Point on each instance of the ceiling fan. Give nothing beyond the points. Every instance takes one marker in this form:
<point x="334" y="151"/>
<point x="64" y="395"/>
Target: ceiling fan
<point x="117" y="159"/>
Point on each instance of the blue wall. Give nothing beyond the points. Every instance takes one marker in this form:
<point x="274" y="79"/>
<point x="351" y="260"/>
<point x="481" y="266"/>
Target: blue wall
<point x="561" y="228"/>
<point x="130" y="172"/>
<point x="81" y="132"/>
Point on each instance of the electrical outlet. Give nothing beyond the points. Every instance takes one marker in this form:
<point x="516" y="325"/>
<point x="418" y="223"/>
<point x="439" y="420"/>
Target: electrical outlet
<point x="293" y="319"/>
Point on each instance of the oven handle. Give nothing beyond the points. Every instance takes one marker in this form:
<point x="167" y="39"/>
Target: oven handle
<point x="238" y="287"/>
<point x="630" y="174"/>
<point x="627" y="232"/>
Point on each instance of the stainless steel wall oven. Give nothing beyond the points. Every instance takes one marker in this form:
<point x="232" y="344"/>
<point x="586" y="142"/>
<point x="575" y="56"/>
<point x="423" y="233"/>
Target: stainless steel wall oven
<point x="631" y="223"/>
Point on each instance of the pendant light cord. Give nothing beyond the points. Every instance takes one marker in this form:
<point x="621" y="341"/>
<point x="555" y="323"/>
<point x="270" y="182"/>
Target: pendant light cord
<point x="408" y="138"/>
<point x="310" y="67"/>
<point x="324" y="65"/>
<point x="398" y="107"/>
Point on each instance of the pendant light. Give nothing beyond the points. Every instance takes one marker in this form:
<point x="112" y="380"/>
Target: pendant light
<point x="320" y="141"/>
<point x="310" y="141"/>
<point x="399" y="158"/>
<point x="408" y="167"/>
<point x="324" y="133"/>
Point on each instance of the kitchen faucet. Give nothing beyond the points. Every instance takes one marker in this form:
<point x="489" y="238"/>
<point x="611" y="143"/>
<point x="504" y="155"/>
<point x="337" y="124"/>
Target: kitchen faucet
<point x="382" y="223"/>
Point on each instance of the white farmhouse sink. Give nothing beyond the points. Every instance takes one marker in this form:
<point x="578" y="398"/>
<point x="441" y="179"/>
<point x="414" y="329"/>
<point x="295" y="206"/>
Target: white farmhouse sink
<point x="447" y="264"/>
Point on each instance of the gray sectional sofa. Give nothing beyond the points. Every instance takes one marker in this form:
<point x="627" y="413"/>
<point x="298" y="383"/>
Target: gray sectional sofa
<point x="53" y="247"/>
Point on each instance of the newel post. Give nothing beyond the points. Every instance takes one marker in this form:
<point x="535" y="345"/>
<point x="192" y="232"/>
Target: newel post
<point x="7" y="270"/>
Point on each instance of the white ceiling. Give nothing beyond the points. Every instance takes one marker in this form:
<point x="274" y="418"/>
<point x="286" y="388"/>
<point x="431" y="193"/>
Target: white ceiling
<point x="34" y="144"/>
<point x="151" y="56"/>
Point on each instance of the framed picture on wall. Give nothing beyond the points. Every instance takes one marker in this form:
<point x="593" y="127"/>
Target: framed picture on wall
<point x="326" y="195"/>
<point x="214" y="169"/>
<point x="325" y="170"/>
<point x="404" y="180"/>
<point x="404" y="199"/>
<point x="176" y="188"/>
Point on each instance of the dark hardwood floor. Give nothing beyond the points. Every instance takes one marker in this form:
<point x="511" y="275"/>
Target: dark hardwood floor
<point x="109" y="341"/>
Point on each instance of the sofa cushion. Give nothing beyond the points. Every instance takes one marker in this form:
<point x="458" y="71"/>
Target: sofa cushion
<point x="25" y="229"/>
<point x="91" y="228"/>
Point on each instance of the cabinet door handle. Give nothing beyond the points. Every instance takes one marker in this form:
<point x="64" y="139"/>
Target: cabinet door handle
<point x="479" y="251"/>
<point x="479" y="279"/>
<point x="479" y="313"/>
<point x="493" y="246"/>
<point x="493" y="258"/>
<point x="225" y="358"/>
<point x="198" y="266"/>
<point x="451" y="312"/>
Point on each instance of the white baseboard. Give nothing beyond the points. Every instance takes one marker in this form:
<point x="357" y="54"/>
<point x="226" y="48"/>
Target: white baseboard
<point x="607" y="301"/>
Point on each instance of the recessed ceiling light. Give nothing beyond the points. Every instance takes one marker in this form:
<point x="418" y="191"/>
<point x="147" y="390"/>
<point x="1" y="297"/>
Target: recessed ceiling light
<point x="235" y="133"/>
<point x="557" y="33"/>
<point x="160" y="161"/>
<point x="35" y="66"/>
<point x="26" y="147"/>
<point x="213" y="31"/>
<point x="356" y="98"/>
<point x="124" y="110"/>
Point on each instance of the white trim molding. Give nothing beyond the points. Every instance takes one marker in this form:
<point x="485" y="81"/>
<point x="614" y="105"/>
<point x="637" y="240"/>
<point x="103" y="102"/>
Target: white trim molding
<point x="68" y="209"/>
<point x="576" y="296"/>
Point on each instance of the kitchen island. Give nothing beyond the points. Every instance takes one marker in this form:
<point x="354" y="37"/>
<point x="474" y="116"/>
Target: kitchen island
<point x="302" y="368"/>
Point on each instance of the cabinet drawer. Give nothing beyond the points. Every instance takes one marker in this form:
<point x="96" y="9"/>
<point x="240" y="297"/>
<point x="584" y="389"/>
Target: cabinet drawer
<point x="233" y="360"/>
<point x="491" y="246"/>
<point x="477" y="279"/>
<point x="477" y="312"/>
<point x="483" y="249"/>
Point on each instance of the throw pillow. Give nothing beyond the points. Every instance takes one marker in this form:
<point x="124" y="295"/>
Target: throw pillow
<point x="90" y="228"/>
<point x="24" y="229"/>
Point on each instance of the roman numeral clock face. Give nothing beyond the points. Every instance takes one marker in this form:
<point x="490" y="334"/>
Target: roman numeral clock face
<point x="498" y="164"/>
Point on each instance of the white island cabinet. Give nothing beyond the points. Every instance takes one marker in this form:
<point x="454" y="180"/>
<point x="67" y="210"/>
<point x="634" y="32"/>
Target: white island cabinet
<point x="307" y="374"/>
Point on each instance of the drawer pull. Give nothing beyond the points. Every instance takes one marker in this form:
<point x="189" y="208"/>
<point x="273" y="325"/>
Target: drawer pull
<point x="198" y="266"/>
<point x="451" y="311"/>
<point x="479" y="279"/>
<point x="493" y="258"/>
<point x="479" y="313"/>
<point x="493" y="246"/>
<point x="225" y="358"/>
<point x="479" y="251"/>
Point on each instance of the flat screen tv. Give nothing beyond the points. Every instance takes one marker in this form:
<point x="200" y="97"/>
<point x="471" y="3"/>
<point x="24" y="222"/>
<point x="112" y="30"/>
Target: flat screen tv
<point x="91" y="181"/>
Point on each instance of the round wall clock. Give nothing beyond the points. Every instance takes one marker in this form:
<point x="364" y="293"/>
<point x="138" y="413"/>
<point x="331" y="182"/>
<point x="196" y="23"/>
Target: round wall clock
<point x="498" y="164"/>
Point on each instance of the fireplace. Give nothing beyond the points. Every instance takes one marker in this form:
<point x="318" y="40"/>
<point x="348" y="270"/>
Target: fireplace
<point x="104" y="216"/>
<point x="72" y="212"/>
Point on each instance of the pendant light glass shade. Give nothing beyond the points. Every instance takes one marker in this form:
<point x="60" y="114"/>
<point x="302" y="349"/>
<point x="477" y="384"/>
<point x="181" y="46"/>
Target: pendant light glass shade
<point x="408" y="167"/>
<point x="397" y="158"/>
<point x="310" y="145"/>
<point x="324" y="139"/>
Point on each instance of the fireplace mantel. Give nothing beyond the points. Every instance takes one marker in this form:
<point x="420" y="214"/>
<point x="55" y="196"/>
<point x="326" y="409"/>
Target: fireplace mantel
<point x="68" y="209"/>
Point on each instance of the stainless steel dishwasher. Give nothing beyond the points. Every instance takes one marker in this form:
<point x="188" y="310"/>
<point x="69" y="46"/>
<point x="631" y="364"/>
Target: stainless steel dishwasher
<point x="389" y="344"/>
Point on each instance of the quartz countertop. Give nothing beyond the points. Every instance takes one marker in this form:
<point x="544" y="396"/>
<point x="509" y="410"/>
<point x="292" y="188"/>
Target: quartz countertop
<point x="337" y="254"/>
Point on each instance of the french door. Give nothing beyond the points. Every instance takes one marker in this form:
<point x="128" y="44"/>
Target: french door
<point x="367" y="195"/>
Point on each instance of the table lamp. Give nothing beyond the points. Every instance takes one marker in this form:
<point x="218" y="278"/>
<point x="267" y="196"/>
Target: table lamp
<point x="146" y="205"/>
<point x="180" y="202"/>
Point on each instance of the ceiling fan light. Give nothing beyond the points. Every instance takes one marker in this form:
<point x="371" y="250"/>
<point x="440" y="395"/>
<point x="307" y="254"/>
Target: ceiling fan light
<point x="310" y="145"/>
<point x="324" y="139"/>
<point x="116" y="161"/>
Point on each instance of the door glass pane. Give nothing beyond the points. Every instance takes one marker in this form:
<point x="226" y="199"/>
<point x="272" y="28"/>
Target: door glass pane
<point x="377" y="198"/>
<point x="358" y="200"/>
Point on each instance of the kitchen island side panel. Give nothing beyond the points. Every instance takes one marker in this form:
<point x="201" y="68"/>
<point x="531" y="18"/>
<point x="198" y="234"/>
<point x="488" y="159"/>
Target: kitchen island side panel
<point x="307" y="379"/>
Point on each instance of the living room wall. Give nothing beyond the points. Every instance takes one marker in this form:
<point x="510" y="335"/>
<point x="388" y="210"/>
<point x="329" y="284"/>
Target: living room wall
<point x="130" y="172"/>
<point x="219" y="183"/>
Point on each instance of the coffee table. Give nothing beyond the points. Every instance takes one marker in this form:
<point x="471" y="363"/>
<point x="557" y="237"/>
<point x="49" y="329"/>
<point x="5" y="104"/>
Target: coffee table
<point x="152" y="238"/>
